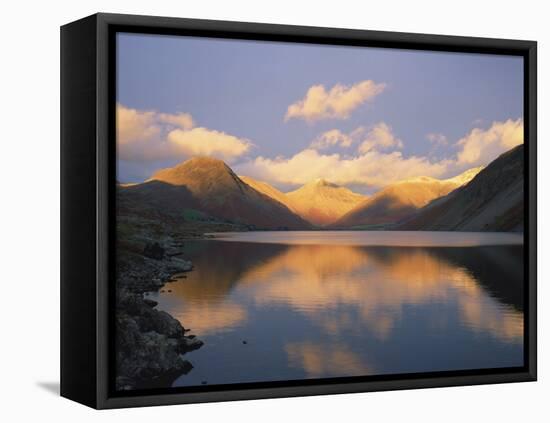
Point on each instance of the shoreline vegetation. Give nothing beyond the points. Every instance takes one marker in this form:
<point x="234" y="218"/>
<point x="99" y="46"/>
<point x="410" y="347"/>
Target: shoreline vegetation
<point x="202" y="196"/>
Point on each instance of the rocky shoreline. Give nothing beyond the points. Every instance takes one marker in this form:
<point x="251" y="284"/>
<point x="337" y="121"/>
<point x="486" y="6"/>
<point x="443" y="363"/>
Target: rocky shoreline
<point x="149" y="343"/>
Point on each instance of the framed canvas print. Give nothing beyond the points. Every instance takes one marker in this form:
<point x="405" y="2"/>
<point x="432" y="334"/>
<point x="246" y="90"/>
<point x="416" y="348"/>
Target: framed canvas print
<point x="254" y="211"/>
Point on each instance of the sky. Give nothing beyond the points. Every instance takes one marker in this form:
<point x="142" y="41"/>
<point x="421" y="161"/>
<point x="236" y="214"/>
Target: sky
<point x="288" y="113"/>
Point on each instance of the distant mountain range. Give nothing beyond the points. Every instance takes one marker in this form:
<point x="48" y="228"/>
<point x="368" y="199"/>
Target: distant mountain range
<point x="492" y="201"/>
<point x="489" y="199"/>
<point x="319" y="202"/>
<point x="400" y="200"/>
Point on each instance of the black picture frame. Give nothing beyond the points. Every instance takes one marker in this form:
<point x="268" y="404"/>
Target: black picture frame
<point x="88" y="154"/>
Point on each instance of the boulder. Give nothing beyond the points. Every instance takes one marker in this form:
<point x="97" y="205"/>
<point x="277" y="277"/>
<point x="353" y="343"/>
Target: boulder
<point x="150" y="303"/>
<point x="179" y="265"/>
<point x="150" y="350"/>
<point x="154" y="250"/>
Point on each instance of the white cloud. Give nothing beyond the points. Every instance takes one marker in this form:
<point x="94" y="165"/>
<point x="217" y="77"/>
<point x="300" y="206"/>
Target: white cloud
<point x="135" y="125"/>
<point x="375" y="169"/>
<point x="206" y="142"/>
<point x="377" y="137"/>
<point x="181" y="120"/>
<point x="150" y="136"/>
<point x="481" y="146"/>
<point x="145" y="137"/>
<point x="380" y="137"/>
<point x="332" y="138"/>
<point x="336" y="103"/>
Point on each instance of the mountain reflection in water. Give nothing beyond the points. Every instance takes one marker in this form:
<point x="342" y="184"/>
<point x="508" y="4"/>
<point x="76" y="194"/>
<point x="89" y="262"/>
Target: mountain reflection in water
<point x="314" y="310"/>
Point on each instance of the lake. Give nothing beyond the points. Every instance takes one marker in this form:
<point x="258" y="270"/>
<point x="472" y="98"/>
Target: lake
<point x="274" y="306"/>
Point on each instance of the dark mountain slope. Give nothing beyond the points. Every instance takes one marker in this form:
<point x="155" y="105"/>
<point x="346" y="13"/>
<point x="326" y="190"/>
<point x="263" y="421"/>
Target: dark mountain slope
<point x="401" y="200"/>
<point x="492" y="201"/>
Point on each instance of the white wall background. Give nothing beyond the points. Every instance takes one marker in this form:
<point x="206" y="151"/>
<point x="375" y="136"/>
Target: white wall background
<point x="29" y="235"/>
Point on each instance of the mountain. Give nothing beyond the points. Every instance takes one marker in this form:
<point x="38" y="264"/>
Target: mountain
<point x="401" y="200"/>
<point x="210" y="186"/>
<point x="492" y="201"/>
<point x="321" y="202"/>
<point x="267" y="189"/>
<point x="465" y="177"/>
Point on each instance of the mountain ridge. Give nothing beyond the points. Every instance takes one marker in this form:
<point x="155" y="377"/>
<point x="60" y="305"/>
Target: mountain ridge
<point x="319" y="201"/>
<point x="212" y="187"/>
<point x="322" y="202"/>
<point x="491" y="201"/>
<point x="267" y="189"/>
<point x="209" y="186"/>
<point x="401" y="199"/>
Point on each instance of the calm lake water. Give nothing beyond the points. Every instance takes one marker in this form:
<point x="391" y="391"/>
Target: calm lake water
<point x="292" y="305"/>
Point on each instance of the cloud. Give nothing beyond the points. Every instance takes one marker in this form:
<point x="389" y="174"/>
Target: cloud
<point x="321" y="360"/>
<point x="331" y="138"/>
<point x="374" y="168"/>
<point x="380" y="137"/>
<point x="377" y="137"/>
<point x="135" y="126"/>
<point x="151" y="136"/>
<point x="145" y="138"/>
<point x="206" y="142"/>
<point x="437" y="139"/>
<point x="337" y="103"/>
<point x="481" y="146"/>
<point x="182" y="120"/>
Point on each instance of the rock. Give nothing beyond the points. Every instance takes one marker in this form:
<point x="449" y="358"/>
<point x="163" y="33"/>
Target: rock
<point x="179" y="265"/>
<point x="150" y="303"/>
<point x="149" y="345"/>
<point x="154" y="251"/>
<point x="187" y="344"/>
<point x="161" y="322"/>
<point x="186" y="367"/>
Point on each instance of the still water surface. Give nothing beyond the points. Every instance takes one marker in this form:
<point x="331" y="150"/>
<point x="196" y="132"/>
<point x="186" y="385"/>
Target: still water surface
<point x="286" y="305"/>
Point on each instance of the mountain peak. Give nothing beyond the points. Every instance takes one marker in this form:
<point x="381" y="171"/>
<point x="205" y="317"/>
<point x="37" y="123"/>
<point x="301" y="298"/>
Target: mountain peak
<point x="458" y="180"/>
<point x="204" y="161"/>
<point x="465" y="176"/>
<point x="491" y="201"/>
<point x="425" y="179"/>
<point x="320" y="182"/>
<point x="198" y="168"/>
<point x="322" y="202"/>
<point x="209" y="186"/>
<point x="402" y="199"/>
